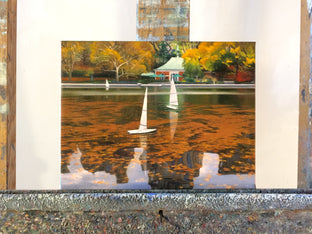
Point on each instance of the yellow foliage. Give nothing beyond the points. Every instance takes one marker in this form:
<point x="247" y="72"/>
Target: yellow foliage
<point x="249" y="61"/>
<point x="191" y="55"/>
<point x="237" y="49"/>
<point x="222" y="52"/>
<point x="70" y="54"/>
<point x="214" y="57"/>
<point x="126" y="58"/>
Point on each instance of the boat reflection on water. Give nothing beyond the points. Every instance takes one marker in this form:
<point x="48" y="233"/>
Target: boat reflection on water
<point x="173" y="117"/>
<point x="193" y="170"/>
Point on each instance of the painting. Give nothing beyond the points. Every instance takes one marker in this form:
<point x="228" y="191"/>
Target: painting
<point x="157" y="115"/>
<point x="163" y="20"/>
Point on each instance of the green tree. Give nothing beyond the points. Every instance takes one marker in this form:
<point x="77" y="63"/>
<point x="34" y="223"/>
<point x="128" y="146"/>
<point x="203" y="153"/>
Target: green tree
<point x="163" y="52"/>
<point x="193" y="70"/>
<point x="191" y="64"/>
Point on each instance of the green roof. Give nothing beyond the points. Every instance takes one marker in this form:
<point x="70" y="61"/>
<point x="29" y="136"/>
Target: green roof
<point x="175" y="63"/>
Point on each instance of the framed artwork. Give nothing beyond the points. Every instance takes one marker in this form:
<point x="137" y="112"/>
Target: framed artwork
<point x="158" y="115"/>
<point x="43" y="27"/>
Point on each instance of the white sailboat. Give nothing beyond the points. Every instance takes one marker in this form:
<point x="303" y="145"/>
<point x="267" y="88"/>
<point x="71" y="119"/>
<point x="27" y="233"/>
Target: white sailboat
<point x="143" y="123"/>
<point x="173" y="99"/>
<point x="107" y="84"/>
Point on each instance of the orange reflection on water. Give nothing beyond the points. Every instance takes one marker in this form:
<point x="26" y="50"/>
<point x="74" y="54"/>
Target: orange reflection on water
<point x="173" y="156"/>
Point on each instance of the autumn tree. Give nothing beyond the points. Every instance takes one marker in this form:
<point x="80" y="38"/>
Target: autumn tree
<point x="192" y="67"/>
<point x="124" y="58"/>
<point x="184" y="46"/>
<point x="70" y="56"/>
<point x="219" y="57"/>
<point x="248" y="48"/>
<point x="239" y="59"/>
<point x="85" y="53"/>
<point x="222" y="57"/>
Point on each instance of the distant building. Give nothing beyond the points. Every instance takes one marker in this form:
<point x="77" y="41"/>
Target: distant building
<point x="172" y="69"/>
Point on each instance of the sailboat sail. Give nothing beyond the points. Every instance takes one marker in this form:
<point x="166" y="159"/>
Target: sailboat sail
<point x="173" y="99"/>
<point x="173" y="94"/>
<point x="143" y="123"/>
<point x="107" y="84"/>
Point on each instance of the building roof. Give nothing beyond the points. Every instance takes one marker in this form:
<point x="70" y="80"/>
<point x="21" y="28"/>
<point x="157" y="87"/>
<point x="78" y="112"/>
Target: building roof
<point x="174" y="63"/>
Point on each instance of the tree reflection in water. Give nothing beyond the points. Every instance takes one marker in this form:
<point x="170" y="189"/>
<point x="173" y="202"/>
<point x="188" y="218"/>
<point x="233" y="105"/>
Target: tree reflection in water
<point x="173" y="158"/>
<point x="195" y="170"/>
<point x="124" y="176"/>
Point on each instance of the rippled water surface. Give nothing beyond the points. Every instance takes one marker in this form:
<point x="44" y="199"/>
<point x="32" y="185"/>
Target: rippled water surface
<point x="209" y="142"/>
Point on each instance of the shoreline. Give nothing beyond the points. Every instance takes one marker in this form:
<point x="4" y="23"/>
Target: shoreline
<point x="166" y="85"/>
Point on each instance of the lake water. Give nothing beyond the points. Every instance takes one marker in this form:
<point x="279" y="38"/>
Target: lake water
<point x="209" y="142"/>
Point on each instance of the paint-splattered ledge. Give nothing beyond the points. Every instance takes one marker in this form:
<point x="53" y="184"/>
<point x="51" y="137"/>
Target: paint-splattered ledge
<point x="128" y="200"/>
<point x="137" y="85"/>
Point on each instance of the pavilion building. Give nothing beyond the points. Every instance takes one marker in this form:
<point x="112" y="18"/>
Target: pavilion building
<point x="172" y="69"/>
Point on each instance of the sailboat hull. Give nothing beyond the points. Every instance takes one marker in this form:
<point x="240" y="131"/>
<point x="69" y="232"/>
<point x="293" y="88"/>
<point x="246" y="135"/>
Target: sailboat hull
<point x="138" y="131"/>
<point x="173" y="107"/>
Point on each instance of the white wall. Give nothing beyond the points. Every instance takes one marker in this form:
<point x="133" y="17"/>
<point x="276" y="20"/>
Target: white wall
<point x="42" y="24"/>
<point x="275" y="27"/>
